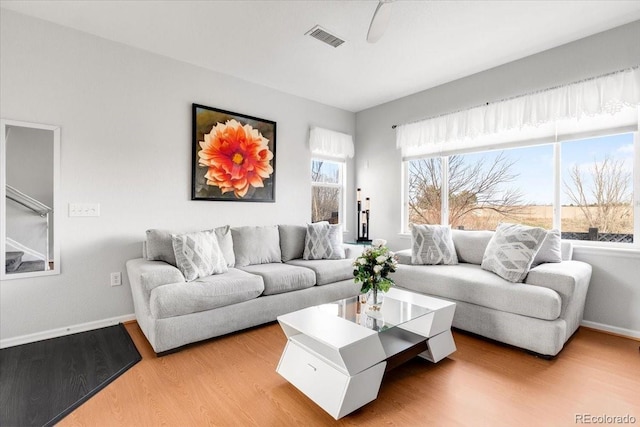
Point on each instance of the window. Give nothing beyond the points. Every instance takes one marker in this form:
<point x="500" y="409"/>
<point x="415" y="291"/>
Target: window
<point x="584" y="187"/>
<point x="597" y="189"/>
<point x="327" y="190"/>
<point x="563" y="157"/>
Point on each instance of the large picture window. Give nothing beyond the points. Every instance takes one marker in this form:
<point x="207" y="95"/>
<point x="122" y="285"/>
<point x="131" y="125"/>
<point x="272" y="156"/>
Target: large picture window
<point x="583" y="187"/>
<point x="327" y="190"/>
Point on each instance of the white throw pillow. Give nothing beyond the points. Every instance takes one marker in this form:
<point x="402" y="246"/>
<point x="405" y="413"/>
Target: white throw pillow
<point x="551" y="249"/>
<point x="198" y="254"/>
<point x="323" y="241"/>
<point x="432" y="244"/>
<point x="512" y="249"/>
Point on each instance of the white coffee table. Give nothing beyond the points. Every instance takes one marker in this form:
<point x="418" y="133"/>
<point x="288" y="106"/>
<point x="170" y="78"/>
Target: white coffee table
<point x="337" y="353"/>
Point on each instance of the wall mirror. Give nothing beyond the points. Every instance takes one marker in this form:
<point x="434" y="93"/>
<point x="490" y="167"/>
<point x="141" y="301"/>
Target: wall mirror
<point x="29" y="180"/>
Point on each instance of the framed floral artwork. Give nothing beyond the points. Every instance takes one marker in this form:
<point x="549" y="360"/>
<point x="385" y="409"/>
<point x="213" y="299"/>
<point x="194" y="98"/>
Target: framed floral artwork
<point x="233" y="156"/>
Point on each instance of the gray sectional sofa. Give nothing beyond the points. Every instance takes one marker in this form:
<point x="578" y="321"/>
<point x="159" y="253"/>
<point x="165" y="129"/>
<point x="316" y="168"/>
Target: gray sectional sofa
<point x="266" y="277"/>
<point x="538" y="315"/>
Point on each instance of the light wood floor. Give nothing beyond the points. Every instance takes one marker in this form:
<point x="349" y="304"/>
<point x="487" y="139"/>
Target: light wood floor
<point x="232" y="381"/>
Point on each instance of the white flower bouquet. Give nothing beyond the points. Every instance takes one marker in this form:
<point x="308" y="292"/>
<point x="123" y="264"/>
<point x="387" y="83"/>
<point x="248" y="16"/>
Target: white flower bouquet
<point x="373" y="267"/>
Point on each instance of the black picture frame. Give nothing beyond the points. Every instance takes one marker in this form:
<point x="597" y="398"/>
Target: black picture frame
<point x="233" y="156"/>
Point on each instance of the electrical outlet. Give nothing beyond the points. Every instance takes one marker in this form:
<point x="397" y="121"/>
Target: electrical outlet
<point x="116" y="279"/>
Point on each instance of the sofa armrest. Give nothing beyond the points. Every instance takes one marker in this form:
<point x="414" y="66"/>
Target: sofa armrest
<point x="352" y="250"/>
<point x="148" y="275"/>
<point x="404" y="256"/>
<point x="570" y="279"/>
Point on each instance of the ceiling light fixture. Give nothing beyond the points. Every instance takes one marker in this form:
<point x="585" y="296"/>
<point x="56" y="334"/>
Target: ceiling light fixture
<point x="379" y="21"/>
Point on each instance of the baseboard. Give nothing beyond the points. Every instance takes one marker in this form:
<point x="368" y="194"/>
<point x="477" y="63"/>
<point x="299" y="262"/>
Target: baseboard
<point x="54" y="333"/>
<point x="614" y="330"/>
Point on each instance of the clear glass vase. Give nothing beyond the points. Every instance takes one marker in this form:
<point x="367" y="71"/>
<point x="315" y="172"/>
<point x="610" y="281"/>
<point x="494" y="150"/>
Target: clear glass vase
<point x="375" y="298"/>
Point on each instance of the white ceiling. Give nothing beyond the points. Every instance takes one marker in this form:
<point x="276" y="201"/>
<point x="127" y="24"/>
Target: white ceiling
<point x="427" y="43"/>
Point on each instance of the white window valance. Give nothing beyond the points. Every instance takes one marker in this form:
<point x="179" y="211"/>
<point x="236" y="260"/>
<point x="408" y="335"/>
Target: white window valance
<point x="606" y="102"/>
<point x="329" y="143"/>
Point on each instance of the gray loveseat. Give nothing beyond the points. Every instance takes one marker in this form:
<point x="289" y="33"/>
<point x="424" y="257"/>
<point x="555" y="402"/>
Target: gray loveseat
<point x="266" y="277"/>
<point x="539" y="314"/>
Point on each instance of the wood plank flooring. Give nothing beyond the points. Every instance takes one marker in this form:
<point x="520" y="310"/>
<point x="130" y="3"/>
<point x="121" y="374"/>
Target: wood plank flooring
<point x="231" y="381"/>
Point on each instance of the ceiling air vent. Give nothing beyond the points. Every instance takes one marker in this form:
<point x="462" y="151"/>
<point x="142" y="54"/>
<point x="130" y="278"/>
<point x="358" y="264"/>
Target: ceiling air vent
<point x="324" y="36"/>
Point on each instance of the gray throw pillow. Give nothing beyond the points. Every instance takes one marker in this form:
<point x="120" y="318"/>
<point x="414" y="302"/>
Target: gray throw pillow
<point x="471" y="244"/>
<point x="551" y="249"/>
<point x="323" y="241"/>
<point x="292" y="241"/>
<point x="432" y="244"/>
<point x="256" y="245"/>
<point x="159" y="246"/>
<point x="198" y="254"/>
<point x="225" y="241"/>
<point x="512" y="250"/>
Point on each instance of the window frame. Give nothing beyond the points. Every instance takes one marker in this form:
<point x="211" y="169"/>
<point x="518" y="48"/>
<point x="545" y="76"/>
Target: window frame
<point x="341" y="185"/>
<point x="557" y="182"/>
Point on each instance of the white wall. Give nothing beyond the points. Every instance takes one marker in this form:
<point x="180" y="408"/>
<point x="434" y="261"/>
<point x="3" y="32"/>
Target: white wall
<point x="125" y="118"/>
<point x="378" y="163"/>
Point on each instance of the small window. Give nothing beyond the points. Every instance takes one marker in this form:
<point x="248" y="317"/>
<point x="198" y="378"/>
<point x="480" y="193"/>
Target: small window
<point x="327" y="190"/>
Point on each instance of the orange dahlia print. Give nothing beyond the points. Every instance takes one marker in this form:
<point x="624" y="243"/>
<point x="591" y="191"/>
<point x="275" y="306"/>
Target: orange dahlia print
<point x="237" y="157"/>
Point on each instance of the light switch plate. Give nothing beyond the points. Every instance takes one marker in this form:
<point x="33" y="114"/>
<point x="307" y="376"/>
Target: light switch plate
<point x="84" y="209"/>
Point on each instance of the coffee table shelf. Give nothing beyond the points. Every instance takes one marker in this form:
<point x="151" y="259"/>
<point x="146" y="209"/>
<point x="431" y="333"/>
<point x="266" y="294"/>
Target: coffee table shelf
<point x="337" y="353"/>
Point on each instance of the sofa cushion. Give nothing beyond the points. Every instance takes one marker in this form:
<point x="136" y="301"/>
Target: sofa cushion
<point x="225" y="241"/>
<point x="279" y="278"/>
<point x="471" y="244"/>
<point x="404" y="256"/>
<point x="470" y="283"/>
<point x="198" y="254"/>
<point x="159" y="246"/>
<point x="551" y="249"/>
<point x="327" y="270"/>
<point x="512" y="249"/>
<point x="432" y="244"/>
<point x="177" y="299"/>
<point x="292" y="241"/>
<point x="323" y="241"/>
<point x="256" y="245"/>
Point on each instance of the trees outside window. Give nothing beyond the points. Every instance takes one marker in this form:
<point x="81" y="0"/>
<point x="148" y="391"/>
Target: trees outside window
<point x="598" y="188"/>
<point x="594" y="179"/>
<point x="327" y="190"/>
<point x="483" y="189"/>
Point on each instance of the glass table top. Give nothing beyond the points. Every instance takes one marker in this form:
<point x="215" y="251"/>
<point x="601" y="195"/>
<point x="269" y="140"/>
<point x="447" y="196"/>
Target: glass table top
<point x="394" y="312"/>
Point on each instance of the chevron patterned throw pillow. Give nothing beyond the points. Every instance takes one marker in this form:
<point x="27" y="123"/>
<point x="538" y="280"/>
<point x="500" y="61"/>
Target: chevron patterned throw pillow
<point x="512" y="249"/>
<point x="323" y="241"/>
<point x="198" y="254"/>
<point x="432" y="244"/>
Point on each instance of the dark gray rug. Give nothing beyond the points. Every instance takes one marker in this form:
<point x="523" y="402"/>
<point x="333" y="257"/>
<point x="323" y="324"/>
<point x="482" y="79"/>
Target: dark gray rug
<point x="42" y="382"/>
